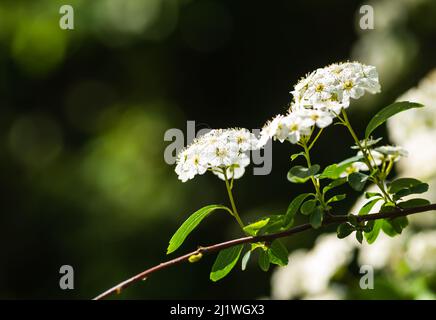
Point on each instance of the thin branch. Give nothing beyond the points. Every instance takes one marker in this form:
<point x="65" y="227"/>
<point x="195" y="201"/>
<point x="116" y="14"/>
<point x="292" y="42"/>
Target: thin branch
<point x="223" y="245"/>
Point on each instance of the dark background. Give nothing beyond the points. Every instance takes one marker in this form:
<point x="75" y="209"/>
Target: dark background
<point x="83" y="114"/>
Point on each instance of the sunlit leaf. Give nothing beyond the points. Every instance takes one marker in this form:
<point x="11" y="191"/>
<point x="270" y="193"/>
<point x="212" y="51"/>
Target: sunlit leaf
<point x="189" y="225"/>
<point x="388" y="112"/>
<point x="225" y="261"/>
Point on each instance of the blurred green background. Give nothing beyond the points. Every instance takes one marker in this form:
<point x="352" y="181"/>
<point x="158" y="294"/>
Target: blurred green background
<point x="83" y="114"/>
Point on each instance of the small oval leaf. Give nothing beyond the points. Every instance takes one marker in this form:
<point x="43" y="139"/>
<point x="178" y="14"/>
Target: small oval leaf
<point x="225" y="261"/>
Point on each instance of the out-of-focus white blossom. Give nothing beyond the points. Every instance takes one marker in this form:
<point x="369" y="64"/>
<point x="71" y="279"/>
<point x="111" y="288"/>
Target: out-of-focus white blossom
<point x="309" y="272"/>
<point x="421" y="251"/>
<point x="217" y="150"/>
<point x="416" y="129"/>
<point x="382" y="252"/>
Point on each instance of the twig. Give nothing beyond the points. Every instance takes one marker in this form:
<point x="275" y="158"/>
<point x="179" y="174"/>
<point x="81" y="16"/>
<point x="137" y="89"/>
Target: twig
<point x="223" y="245"/>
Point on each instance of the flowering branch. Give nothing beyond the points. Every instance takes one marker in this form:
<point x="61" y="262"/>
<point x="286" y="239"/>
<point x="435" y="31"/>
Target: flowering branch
<point x="396" y="213"/>
<point x="319" y="100"/>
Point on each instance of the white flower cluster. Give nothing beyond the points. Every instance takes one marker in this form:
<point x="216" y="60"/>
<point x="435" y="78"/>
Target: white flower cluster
<point x="331" y="88"/>
<point x="378" y="156"/>
<point x="217" y="150"/>
<point x="319" y="98"/>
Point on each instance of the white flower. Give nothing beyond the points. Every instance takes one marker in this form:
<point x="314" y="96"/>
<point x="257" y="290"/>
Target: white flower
<point x="354" y="167"/>
<point x="217" y="150"/>
<point x="393" y="153"/>
<point x="322" y="119"/>
<point x="330" y="88"/>
<point x="290" y="127"/>
<point x="269" y="130"/>
<point x="296" y="126"/>
<point x="377" y="157"/>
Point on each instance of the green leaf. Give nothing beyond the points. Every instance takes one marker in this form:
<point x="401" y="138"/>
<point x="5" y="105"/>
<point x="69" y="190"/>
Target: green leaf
<point x="366" y="208"/>
<point x="388" y="228"/>
<point x="316" y="218"/>
<point x="263" y="260"/>
<point x="352" y="219"/>
<point x="359" y="236"/>
<point x="337" y="198"/>
<point x="296" y="155"/>
<point x="334" y="171"/>
<point x="399" y="224"/>
<point x="258" y="245"/>
<point x="334" y="184"/>
<point x="369" y="195"/>
<point x="245" y="260"/>
<point x="373" y="234"/>
<point x="225" y="262"/>
<point x="388" y="112"/>
<point x="368" y="226"/>
<point x="278" y="253"/>
<point x="300" y="174"/>
<point x="344" y="230"/>
<point x="253" y="228"/>
<point x="419" y="188"/>
<point x="412" y="203"/>
<point x="275" y="224"/>
<point x="402" y="183"/>
<point x="190" y="224"/>
<point x="357" y="180"/>
<point x="308" y="207"/>
<point x="293" y="208"/>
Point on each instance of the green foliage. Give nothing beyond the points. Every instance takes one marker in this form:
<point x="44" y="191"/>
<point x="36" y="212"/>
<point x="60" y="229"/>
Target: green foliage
<point x="334" y="184"/>
<point x="278" y="254"/>
<point x="334" y="171"/>
<point x="420" y="188"/>
<point x="263" y="260"/>
<point x="366" y="208"/>
<point x="417" y="202"/>
<point x="406" y="186"/>
<point x="344" y="230"/>
<point x="398" y="224"/>
<point x="388" y="112"/>
<point x="225" y="261"/>
<point x="372" y="235"/>
<point x="253" y="228"/>
<point x="369" y="195"/>
<point x="308" y="207"/>
<point x="296" y="155"/>
<point x="316" y="218"/>
<point x="275" y="224"/>
<point x="300" y="174"/>
<point x="357" y="180"/>
<point x="402" y="183"/>
<point x="293" y="208"/>
<point x="388" y="228"/>
<point x="337" y="198"/>
<point x="189" y="225"/>
<point x="359" y="236"/>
